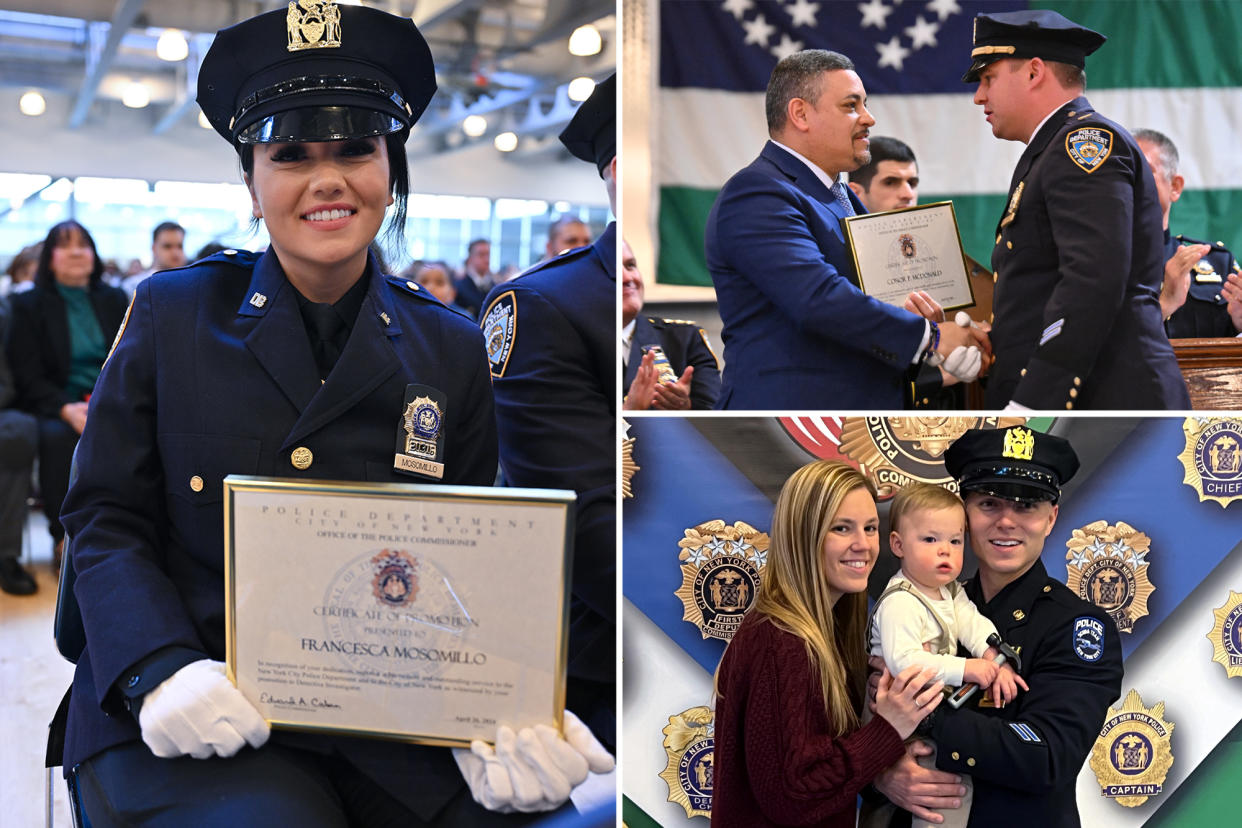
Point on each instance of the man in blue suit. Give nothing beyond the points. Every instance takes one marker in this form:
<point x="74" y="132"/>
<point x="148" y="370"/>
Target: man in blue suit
<point x="798" y="331"/>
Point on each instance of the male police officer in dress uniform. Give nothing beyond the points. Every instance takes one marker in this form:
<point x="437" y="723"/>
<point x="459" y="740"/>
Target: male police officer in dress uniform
<point x="1078" y="254"/>
<point x="229" y="367"/>
<point x="552" y="341"/>
<point x="1024" y="757"/>
<point x="1191" y="299"/>
<point x="682" y="343"/>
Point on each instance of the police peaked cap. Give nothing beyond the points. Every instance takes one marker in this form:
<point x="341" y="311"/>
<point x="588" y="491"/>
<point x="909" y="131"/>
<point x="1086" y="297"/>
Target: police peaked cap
<point x="292" y="75"/>
<point x="592" y="133"/>
<point x="1016" y="463"/>
<point x="1030" y="34"/>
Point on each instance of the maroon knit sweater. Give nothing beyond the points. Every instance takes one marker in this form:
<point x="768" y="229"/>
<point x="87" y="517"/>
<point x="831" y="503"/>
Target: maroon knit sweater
<point x="777" y="761"/>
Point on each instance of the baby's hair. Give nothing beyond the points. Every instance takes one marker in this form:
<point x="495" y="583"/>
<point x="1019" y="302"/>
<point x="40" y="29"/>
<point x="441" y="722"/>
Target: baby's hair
<point x="917" y="496"/>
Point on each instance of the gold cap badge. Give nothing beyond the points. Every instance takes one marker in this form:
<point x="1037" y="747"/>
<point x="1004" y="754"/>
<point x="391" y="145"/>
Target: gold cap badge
<point x="1019" y="444"/>
<point x="313" y="24"/>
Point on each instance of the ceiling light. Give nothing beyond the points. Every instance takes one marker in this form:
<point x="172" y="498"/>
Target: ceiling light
<point x="474" y="125"/>
<point x="581" y="88"/>
<point x="585" y="41"/>
<point x="202" y="120"/>
<point x="506" y="142"/>
<point x="32" y="104"/>
<point x="136" y="96"/>
<point x="172" y="46"/>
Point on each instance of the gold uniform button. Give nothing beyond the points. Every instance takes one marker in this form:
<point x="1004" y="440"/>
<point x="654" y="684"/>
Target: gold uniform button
<point x="995" y="277"/>
<point x="412" y="285"/>
<point x="971" y="761"/>
<point x="1048" y="589"/>
<point x="302" y="458"/>
<point x="1022" y="373"/>
<point x="957" y="755"/>
<point x="1010" y="244"/>
<point x="1073" y="392"/>
<point x="196" y="483"/>
<point x="998" y="238"/>
<point x="1018" y="615"/>
<point x="1069" y="405"/>
<point x="1077" y="380"/>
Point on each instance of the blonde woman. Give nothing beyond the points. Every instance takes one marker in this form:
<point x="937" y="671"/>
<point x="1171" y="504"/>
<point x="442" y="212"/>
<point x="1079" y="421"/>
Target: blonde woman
<point x="789" y="746"/>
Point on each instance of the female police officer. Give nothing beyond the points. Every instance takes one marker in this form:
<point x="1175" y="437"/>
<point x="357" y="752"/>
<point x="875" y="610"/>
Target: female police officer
<point x="294" y="363"/>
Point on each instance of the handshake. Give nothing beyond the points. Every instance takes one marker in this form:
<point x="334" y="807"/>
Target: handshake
<point x="964" y="352"/>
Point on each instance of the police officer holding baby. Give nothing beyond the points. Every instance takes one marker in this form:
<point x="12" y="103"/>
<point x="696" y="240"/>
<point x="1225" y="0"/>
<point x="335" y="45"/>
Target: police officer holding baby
<point x="1024" y="757"/>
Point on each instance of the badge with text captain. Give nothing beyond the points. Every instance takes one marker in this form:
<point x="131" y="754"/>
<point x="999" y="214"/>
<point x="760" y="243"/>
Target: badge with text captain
<point x="1212" y="458"/>
<point x="420" y="433"/>
<point x="1133" y="754"/>
<point x="690" y="744"/>
<point x="721" y="569"/>
<point x="1107" y="565"/>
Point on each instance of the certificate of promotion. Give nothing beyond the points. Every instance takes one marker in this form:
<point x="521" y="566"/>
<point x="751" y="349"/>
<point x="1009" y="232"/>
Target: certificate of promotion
<point x="426" y="614"/>
<point x="916" y="248"/>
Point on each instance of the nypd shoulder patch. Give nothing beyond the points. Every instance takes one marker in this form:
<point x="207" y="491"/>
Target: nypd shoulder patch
<point x="1089" y="147"/>
<point x="1088" y="638"/>
<point x="499" y="325"/>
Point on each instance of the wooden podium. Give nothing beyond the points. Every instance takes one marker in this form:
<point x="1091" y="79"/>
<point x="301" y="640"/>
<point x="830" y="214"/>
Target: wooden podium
<point x="1213" y="372"/>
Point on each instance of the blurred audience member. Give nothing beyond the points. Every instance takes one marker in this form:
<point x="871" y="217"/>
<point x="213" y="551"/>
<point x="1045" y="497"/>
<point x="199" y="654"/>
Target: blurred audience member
<point x="60" y="335"/>
<point x="890" y="180"/>
<point x="436" y="277"/>
<point x="476" y="277"/>
<point x="167" y="252"/>
<point x="211" y="248"/>
<point x="19" y="438"/>
<point x="19" y="276"/>
<point x="566" y="233"/>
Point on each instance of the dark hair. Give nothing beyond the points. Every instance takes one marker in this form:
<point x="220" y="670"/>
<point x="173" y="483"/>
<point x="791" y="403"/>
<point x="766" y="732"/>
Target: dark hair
<point x="165" y="225"/>
<point x="398" y="181"/>
<point x="798" y="76"/>
<point x="44" y="277"/>
<point x="883" y="148"/>
<point x="561" y="222"/>
<point x="211" y="248"/>
<point x="1165" y="149"/>
<point x="470" y="247"/>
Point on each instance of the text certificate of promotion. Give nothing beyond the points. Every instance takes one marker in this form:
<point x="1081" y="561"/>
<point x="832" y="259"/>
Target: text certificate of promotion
<point x="427" y="614"/>
<point x="916" y="248"/>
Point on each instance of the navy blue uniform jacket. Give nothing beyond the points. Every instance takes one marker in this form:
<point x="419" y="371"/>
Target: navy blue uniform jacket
<point x="556" y="412"/>
<point x="684" y="343"/>
<point x="1025" y="757"/>
<point x="1206" y="313"/>
<point x="798" y="333"/>
<point x="208" y="380"/>
<point x="1079" y="259"/>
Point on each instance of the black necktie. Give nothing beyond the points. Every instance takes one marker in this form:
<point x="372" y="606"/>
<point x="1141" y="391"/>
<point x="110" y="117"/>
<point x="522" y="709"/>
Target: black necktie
<point x="325" y="344"/>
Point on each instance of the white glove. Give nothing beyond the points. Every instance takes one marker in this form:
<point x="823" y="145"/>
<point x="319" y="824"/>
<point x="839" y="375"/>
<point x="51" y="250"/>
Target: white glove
<point x="533" y="769"/>
<point x="964" y="362"/>
<point x="1016" y="407"/>
<point x="197" y="711"/>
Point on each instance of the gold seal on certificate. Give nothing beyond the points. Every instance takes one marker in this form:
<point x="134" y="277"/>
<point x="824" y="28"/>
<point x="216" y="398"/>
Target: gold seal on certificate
<point x="916" y="248"/>
<point x="392" y="610"/>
